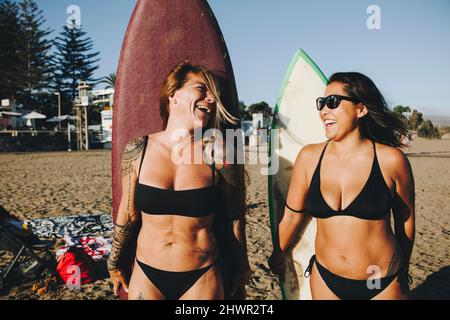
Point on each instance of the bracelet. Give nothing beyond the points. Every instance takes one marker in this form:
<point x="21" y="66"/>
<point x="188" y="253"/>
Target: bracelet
<point x="297" y="211"/>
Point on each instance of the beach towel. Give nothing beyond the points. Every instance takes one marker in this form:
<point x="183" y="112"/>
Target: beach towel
<point x="98" y="248"/>
<point x="75" y="267"/>
<point x="75" y="225"/>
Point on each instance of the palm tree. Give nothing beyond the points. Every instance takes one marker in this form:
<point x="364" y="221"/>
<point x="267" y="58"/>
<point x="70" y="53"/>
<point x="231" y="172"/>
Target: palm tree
<point x="110" y="80"/>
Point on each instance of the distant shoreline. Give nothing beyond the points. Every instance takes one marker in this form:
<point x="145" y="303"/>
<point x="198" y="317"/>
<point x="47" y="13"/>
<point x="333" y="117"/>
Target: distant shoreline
<point x="438" y="120"/>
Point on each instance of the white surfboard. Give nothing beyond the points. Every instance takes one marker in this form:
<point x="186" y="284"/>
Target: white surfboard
<point x="298" y="124"/>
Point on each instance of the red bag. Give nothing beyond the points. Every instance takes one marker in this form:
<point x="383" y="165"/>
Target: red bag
<point x="76" y="267"/>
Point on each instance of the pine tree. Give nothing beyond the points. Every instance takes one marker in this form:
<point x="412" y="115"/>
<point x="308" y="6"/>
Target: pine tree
<point x="10" y="33"/>
<point x="34" y="56"/>
<point x="74" y="61"/>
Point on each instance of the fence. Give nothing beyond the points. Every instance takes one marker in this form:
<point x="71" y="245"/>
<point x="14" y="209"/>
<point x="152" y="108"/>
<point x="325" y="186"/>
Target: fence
<point x="39" y="140"/>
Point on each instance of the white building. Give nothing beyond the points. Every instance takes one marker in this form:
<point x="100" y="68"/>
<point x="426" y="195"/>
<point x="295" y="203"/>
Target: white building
<point x="258" y="120"/>
<point x="103" y="98"/>
<point x="107" y="116"/>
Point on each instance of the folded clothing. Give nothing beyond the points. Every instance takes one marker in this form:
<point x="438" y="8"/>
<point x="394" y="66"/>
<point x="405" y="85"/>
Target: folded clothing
<point x="75" y="267"/>
<point x="98" y="248"/>
<point x="75" y="225"/>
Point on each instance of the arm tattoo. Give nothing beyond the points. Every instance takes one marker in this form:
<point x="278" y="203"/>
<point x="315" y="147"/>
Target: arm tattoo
<point x="129" y="193"/>
<point x="122" y="235"/>
<point x="396" y="262"/>
<point x="140" y="296"/>
<point x="132" y="151"/>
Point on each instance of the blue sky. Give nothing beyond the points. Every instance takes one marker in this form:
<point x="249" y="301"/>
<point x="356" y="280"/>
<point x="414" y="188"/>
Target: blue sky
<point x="408" y="58"/>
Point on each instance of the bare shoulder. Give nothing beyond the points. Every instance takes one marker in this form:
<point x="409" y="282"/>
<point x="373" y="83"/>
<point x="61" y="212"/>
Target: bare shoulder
<point x="133" y="148"/>
<point x="392" y="159"/>
<point x="310" y="153"/>
<point x="131" y="153"/>
<point x="389" y="154"/>
<point x="307" y="159"/>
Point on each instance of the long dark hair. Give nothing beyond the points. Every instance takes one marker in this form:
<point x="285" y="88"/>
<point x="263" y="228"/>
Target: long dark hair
<point x="380" y="124"/>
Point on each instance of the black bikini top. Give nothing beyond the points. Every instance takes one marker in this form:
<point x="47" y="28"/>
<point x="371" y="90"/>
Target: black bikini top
<point x="190" y="203"/>
<point x="372" y="203"/>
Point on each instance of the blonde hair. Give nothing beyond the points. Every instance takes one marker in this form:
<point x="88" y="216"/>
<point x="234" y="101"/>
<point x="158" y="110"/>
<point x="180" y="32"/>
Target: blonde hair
<point x="176" y="79"/>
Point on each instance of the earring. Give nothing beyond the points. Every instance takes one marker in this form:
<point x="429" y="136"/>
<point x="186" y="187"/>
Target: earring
<point x="174" y="101"/>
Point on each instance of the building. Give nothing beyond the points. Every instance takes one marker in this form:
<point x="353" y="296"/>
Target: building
<point x="103" y="98"/>
<point x="10" y="114"/>
<point x="107" y="126"/>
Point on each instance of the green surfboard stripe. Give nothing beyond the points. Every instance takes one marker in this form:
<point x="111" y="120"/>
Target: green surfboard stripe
<point x="314" y="66"/>
<point x="299" y="53"/>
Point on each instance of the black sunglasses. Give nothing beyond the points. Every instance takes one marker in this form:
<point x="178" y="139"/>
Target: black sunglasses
<point x="333" y="101"/>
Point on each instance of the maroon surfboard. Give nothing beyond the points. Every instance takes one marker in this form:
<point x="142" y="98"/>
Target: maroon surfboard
<point x="160" y="34"/>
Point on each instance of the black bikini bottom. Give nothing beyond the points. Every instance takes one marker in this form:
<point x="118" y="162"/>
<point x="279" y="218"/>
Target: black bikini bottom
<point x="173" y="284"/>
<point x="351" y="289"/>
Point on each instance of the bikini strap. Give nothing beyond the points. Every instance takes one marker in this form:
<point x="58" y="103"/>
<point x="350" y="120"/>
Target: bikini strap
<point x="377" y="164"/>
<point x="323" y="152"/>
<point x="316" y="175"/>
<point x="213" y="170"/>
<point x="319" y="164"/>
<point x="310" y="265"/>
<point x="143" y="154"/>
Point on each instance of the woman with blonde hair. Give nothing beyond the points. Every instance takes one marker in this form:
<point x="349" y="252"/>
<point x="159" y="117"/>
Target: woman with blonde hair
<point x="175" y="206"/>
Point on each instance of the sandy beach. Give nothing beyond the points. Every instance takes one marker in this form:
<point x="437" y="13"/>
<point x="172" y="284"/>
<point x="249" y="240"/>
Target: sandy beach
<point x="39" y="185"/>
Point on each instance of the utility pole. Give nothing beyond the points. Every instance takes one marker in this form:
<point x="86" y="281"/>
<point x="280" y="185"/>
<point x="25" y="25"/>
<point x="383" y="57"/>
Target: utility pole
<point x="59" y="108"/>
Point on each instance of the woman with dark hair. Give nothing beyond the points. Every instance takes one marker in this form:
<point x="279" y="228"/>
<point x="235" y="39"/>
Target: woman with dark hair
<point x="174" y="205"/>
<point x="351" y="184"/>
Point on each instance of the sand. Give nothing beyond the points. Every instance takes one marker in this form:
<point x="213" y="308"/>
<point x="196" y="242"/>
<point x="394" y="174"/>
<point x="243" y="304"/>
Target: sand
<point x="430" y="261"/>
<point x="36" y="185"/>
